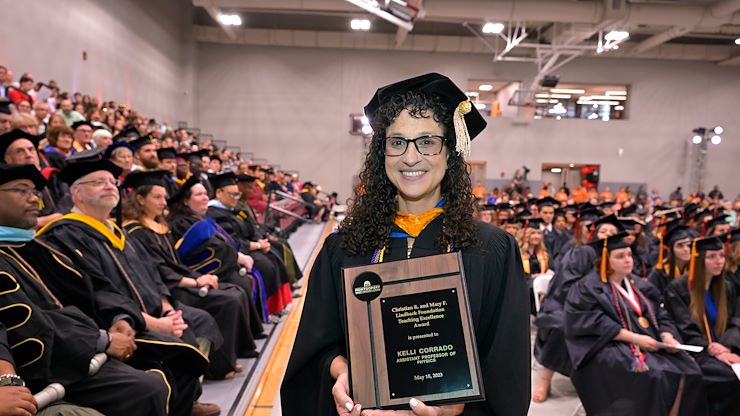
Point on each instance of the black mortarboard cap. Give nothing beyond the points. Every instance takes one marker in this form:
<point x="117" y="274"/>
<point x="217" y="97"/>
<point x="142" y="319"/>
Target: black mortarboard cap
<point x="183" y="191"/>
<point x="140" y="178"/>
<point x="76" y="170"/>
<point x="718" y="220"/>
<point x="709" y="243"/>
<point x="676" y="233"/>
<point x="607" y="219"/>
<point x="607" y="204"/>
<point x="127" y="132"/>
<point x="166" y="153"/>
<point x="222" y="180"/>
<point x="525" y="213"/>
<point x="628" y="210"/>
<point x="548" y="201"/>
<point x="195" y="154"/>
<point x="10" y="137"/>
<point x="488" y="207"/>
<point x="630" y="223"/>
<point x="502" y="206"/>
<point x="533" y="222"/>
<point x="590" y="214"/>
<point x="700" y="214"/>
<point x="734" y="235"/>
<point x="613" y="242"/>
<point x="142" y="141"/>
<point x="109" y="150"/>
<point x="431" y="84"/>
<point x="5" y="106"/>
<point x="77" y="124"/>
<point x="87" y="155"/>
<point x="10" y="172"/>
<point x="245" y="178"/>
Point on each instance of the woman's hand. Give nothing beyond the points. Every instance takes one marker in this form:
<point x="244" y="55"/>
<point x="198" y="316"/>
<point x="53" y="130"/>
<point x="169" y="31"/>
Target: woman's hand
<point x="729" y="358"/>
<point x="647" y="343"/>
<point x="207" y="280"/>
<point x="668" y="339"/>
<point x="715" y="349"/>
<point x="344" y="404"/>
<point x="418" y="408"/>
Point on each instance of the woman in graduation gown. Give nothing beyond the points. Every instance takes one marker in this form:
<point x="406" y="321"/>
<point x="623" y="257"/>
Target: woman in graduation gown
<point x="639" y="245"/>
<point x="415" y="201"/>
<point x="206" y="248"/>
<point x="228" y="304"/>
<point x="618" y="338"/>
<point x="733" y="257"/>
<point x="704" y="307"/>
<point x="549" y="347"/>
<point x="677" y="243"/>
<point x="534" y="255"/>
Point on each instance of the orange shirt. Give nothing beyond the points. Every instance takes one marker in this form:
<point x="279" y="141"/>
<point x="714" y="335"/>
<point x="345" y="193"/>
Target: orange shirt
<point x="580" y="195"/>
<point x="544" y="193"/>
<point x="607" y="196"/>
<point x="561" y="196"/>
<point x="622" y="197"/>
<point x="479" y="191"/>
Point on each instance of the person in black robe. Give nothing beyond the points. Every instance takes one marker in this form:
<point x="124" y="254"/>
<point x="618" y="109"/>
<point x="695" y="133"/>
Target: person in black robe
<point x="53" y="343"/>
<point x="168" y="161"/>
<point x="386" y="224"/>
<point x="246" y="185"/>
<point x="221" y="209"/>
<point x="639" y="245"/>
<point x="116" y="263"/>
<point x="677" y="242"/>
<point x="549" y="347"/>
<point x="704" y="307"/>
<point x="227" y="303"/>
<point x="732" y="240"/>
<point x="619" y="339"/>
<point x="207" y="248"/>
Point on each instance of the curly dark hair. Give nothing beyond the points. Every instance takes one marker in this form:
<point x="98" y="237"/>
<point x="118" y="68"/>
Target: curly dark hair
<point x="370" y="217"/>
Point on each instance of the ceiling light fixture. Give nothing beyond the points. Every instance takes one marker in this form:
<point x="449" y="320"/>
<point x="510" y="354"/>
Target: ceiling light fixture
<point x="360" y="24"/>
<point x="556" y="170"/>
<point x="565" y="96"/>
<point x="493" y="28"/>
<point x="485" y="87"/>
<point x="229" y="19"/>
<point x="719" y="130"/>
<point x="567" y="91"/>
<point x="617" y="35"/>
<point x="480" y="106"/>
<point x="737" y="41"/>
<point x="616" y="93"/>
<point x="716" y="139"/>
<point x="696" y="139"/>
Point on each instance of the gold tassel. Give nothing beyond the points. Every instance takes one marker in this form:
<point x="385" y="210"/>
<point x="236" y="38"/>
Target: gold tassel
<point x="660" y="250"/>
<point x="692" y="264"/>
<point x="462" y="137"/>
<point x="604" y="259"/>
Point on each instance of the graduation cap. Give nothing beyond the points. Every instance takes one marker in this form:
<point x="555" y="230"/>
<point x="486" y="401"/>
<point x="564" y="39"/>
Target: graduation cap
<point x="589" y="214"/>
<point x="195" y="154"/>
<point x="7" y="139"/>
<point x="78" y="124"/>
<point x="109" y="150"/>
<point x="630" y="223"/>
<point x="718" y="220"/>
<point x="525" y="213"/>
<point x="142" y="141"/>
<point x="467" y="121"/>
<point x="74" y="171"/>
<point x="87" y="155"/>
<point x="628" y="210"/>
<point x="488" y="207"/>
<point x="141" y="178"/>
<point x="607" y="204"/>
<point x="676" y="233"/>
<point x="308" y="184"/>
<point x="5" y="106"/>
<point x="734" y="235"/>
<point x="11" y="172"/>
<point x="502" y="206"/>
<point x="532" y="222"/>
<point x="690" y="208"/>
<point x="127" y="132"/>
<point x="166" y="153"/>
<point x="668" y="213"/>
<point x="605" y="245"/>
<point x="548" y="201"/>
<point x="183" y="191"/>
<point x="712" y="243"/>
<point x="216" y="157"/>
<point x="222" y="180"/>
<point x="607" y="219"/>
<point x="245" y="178"/>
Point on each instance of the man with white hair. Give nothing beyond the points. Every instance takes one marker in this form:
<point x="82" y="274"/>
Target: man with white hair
<point x="102" y="138"/>
<point x="111" y="260"/>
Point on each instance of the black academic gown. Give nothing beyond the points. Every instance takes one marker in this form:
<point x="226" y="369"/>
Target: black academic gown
<point x="603" y="369"/>
<point x="549" y="347"/>
<point x="277" y="281"/>
<point x="660" y="279"/>
<point x="131" y="275"/>
<point x="499" y="306"/>
<point x="280" y="246"/>
<point x="53" y="343"/>
<point x="223" y="262"/>
<point x="641" y="264"/>
<point x="722" y="385"/>
<point x="228" y="304"/>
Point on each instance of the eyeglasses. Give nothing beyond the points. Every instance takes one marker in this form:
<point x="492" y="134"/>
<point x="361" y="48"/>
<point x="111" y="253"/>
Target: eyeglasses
<point x="235" y="195"/>
<point x="23" y="192"/>
<point x="98" y="183"/>
<point x="425" y="145"/>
